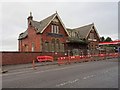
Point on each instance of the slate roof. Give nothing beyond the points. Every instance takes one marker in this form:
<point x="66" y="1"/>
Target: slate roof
<point x="40" y="26"/>
<point x="23" y="35"/>
<point x="82" y="31"/>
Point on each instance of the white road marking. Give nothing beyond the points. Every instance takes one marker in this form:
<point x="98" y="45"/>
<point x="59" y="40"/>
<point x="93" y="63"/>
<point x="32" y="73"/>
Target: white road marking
<point x="106" y="71"/>
<point x="90" y="76"/>
<point x="68" y="82"/>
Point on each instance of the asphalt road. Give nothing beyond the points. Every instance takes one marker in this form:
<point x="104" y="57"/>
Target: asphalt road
<point x="95" y="74"/>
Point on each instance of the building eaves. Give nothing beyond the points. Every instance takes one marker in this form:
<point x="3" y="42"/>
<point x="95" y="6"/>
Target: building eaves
<point x="23" y="35"/>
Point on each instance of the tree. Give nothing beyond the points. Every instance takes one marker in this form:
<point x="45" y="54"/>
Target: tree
<point x="102" y="39"/>
<point x="108" y="39"/>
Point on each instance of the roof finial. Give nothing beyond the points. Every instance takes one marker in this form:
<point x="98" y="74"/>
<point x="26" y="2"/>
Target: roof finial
<point x="30" y="13"/>
<point x="56" y="11"/>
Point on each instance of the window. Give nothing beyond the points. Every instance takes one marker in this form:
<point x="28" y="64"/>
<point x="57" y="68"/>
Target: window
<point x="62" y="47"/>
<point x="73" y="34"/>
<point x="53" y="45"/>
<point x="46" y="47"/>
<point x="76" y="35"/>
<point x="57" y="27"/>
<point x="50" y="48"/>
<point x="54" y="29"/>
<point x="26" y="47"/>
<point x="91" y="35"/>
<point x="33" y="47"/>
<point x="41" y="44"/>
<point x="57" y="45"/>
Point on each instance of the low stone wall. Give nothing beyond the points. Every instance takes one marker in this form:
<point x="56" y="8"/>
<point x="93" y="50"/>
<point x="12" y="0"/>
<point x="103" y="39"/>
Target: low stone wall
<point x="9" y="58"/>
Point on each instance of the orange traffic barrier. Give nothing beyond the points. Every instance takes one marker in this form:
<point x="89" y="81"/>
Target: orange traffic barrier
<point x="61" y="60"/>
<point x="72" y="59"/>
<point x="45" y="58"/>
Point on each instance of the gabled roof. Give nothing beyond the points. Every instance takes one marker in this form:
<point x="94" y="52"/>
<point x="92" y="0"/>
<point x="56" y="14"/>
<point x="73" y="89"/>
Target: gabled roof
<point x="40" y="26"/>
<point x="82" y="31"/>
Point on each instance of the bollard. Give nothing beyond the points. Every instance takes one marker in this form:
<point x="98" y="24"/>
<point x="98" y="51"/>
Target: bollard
<point x="33" y="64"/>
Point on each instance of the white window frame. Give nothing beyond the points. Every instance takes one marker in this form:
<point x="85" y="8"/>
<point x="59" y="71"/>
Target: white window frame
<point x="52" y="28"/>
<point x="55" y="29"/>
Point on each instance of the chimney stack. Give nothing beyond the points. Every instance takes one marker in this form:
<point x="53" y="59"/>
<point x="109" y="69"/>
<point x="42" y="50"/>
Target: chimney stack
<point x="30" y="18"/>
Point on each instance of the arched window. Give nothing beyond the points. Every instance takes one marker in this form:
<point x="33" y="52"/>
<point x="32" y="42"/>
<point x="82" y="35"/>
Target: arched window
<point x="46" y="46"/>
<point x="26" y="47"/>
<point x="57" y="45"/>
<point x="61" y="47"/>
<point x="53" y="45"/>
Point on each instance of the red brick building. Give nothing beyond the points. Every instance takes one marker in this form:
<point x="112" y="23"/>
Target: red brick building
<point x="51" y="35"/>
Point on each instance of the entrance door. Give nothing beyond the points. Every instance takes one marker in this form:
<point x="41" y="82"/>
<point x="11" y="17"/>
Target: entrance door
<point x="75" y="52"/>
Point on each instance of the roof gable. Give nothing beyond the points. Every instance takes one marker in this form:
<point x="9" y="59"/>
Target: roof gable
<point x="84" y="31"/>
<point x="94" y="29"/>
<point x="39" y="26"/>
<point x="42" y="25"/>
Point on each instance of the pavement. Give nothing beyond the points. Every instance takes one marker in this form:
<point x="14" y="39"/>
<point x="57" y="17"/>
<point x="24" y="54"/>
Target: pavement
<point x="94" y="74"/>
<point x="9" y="68"/>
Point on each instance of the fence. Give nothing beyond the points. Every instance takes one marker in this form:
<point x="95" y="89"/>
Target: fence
<point x="96" y="57"/>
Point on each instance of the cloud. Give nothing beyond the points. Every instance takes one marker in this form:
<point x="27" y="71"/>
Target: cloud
<point x="75" y="14"/>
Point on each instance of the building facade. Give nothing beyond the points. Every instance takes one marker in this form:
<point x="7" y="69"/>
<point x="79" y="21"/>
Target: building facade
<point x="51" y="35"/>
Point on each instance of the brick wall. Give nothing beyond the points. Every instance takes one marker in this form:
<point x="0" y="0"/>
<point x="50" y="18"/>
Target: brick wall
<point x="9" y="58"/>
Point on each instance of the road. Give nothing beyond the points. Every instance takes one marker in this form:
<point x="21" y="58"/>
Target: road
<point x="94" y="74"/>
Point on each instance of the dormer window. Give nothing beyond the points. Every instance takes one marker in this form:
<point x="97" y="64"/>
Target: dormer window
<point x="73" y="34"/>
<point x="55" y="29"/>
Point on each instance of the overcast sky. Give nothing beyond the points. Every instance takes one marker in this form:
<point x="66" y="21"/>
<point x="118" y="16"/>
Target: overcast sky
<point x="73" y="14"/>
